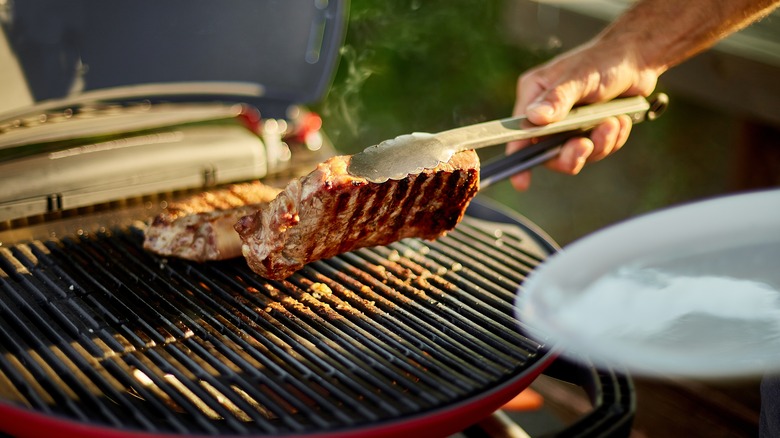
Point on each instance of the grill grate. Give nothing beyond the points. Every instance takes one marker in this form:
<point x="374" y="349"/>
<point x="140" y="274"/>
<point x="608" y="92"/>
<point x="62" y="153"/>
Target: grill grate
<point x="95" y="329"/>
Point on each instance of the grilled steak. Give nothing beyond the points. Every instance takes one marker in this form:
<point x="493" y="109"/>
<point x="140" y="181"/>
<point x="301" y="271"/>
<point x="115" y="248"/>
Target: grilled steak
<point x="200" y="227"/>
<point x="329" y="212"/>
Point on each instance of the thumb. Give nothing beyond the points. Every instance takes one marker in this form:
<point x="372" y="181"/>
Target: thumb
<point x="550" y="106"/>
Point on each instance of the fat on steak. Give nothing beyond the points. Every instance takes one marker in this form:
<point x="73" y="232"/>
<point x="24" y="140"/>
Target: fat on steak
<point x="200" y="227"/>
<point x="329" y="212"/>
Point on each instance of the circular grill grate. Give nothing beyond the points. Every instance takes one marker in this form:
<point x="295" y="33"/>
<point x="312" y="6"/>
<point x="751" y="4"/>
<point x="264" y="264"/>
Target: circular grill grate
<point x="96" y="330"/>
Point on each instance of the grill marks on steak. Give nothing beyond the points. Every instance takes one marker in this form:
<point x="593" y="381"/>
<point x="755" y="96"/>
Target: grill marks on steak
<point x="329" y="212"/>
<point x="363" y="219"/>
<point x="200" y="227"/>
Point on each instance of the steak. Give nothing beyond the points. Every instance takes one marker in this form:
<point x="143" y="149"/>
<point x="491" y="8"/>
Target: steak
<point x="329" y="212"/>
<point x="200" y="227"/>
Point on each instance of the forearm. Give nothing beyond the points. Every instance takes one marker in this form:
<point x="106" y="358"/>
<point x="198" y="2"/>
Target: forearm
<point x="625" y="59"/>
<point x="664" y="33"/>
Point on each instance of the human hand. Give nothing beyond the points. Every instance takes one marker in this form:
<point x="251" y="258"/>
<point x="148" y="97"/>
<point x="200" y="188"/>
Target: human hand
<point x="593" y="73"/>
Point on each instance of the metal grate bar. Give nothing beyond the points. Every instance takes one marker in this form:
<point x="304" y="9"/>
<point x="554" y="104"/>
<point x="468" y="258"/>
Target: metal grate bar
<point x="301" y="339"/>
<point x="420" y="381"/>
<point x="514" y="249"/>
<point x="68" y="369"/>
<point x="457" y="315"/>
<point x="207" y="307"/>
<point x="143" y="369"/>
<point x="337" y="337"/>
<point x="97" y="330"/>
<point x="218" y="289"/>
<point x="453" y="289"/>
<point x="393" y="328"/>
<point x="383" y="323"/>
<point x="23" y="368"/>
<point x="507" y="277"/>
<point x="68" y="366"/>
<point x="407" y="316"/>
<point x="429" y="316"/>
<point x="453" y="284"/>
<point x="345" y="345"/>
<point x="150" y="336"/>
<point x="477" y="284"/>
<point x="149" y="410"/>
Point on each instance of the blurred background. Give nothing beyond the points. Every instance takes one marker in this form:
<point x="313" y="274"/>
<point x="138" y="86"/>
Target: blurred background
<point x="432" y="65"/>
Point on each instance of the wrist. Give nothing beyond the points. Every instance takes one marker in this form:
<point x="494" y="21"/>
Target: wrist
<point x="635" y="47"/>
<point x="627" y="68"/>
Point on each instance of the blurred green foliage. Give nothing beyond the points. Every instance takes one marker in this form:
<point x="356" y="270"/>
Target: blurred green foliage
<point x="430" y="65"/>
<point x="417" y="65"/>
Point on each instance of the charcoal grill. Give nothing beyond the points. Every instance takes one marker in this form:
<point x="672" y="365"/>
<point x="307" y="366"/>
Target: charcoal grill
<point x="94" y="329"/>
<point x="101" y="338"/>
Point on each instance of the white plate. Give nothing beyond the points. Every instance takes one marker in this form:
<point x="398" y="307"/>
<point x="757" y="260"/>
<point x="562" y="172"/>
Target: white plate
<point x="688" y="291"/>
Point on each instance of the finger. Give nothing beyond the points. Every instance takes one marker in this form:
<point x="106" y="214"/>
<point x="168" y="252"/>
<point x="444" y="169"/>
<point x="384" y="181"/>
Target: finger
<point x="625" y="130"/>
<point x="521" y="181"/>
<point x="542" y="99"/>
<point x="553" y="105"/>
<point x="604" y="137"/>
<point x="514" y="146"/>
<point x="574" y="154"/>
<point x="609" y="137"/>
<point x="529" y="87"/>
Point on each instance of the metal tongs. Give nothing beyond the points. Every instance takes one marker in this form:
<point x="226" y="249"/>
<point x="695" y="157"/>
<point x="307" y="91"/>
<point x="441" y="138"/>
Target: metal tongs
<point x="412" y="153"/>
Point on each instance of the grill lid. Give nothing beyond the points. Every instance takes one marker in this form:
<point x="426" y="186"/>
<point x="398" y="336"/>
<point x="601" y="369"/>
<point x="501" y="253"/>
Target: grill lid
<point x="268" y="54"/>
<point x="109" y="100"/>
<point x="95" y="331"/>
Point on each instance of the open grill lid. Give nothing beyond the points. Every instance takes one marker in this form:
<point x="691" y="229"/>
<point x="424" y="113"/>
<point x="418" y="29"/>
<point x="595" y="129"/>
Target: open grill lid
<point x="269" y="54"/>
<point x="108" y="100"/>
<point x="95" y="331"/>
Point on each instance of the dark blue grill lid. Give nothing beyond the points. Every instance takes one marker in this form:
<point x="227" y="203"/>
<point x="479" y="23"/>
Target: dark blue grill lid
<point x="262" y="52"/>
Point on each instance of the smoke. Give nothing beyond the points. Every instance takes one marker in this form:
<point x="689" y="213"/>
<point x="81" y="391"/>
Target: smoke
<point x="420" y="66"/>
<point x="344" y="105"/>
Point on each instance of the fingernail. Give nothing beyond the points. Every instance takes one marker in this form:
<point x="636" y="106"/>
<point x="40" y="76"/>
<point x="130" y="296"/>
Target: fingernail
<point x="542" y="109"/>
<point x="579" y="163"/>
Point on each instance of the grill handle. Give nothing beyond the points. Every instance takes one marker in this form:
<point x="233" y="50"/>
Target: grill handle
<point x="611" y="394"/>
